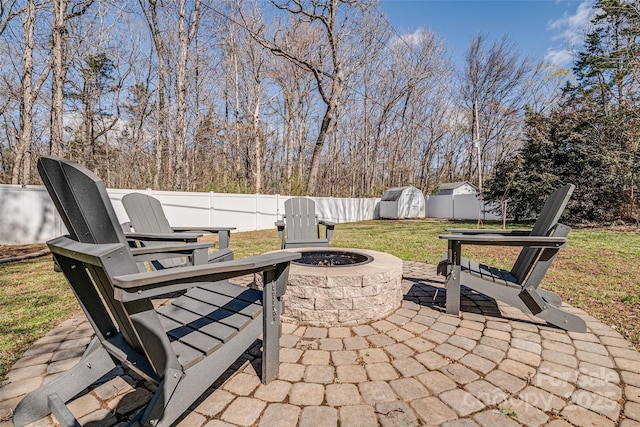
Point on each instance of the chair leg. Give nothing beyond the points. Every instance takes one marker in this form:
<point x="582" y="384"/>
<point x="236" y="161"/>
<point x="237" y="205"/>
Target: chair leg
<point x="95" y="363"/>
<point x="196" y="380"/>
<point x="562" y="319"/>
<point x="271" y="304"/>
<point x="530" y="302"/>
<point x="453" y="290"/>
<point x="550" y="297"/>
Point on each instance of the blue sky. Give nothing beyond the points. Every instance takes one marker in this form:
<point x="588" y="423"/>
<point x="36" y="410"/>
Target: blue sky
<point x="541" y="29"/>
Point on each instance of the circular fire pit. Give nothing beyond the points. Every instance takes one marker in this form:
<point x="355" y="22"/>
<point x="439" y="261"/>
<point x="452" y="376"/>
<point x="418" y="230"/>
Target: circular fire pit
<point x="335" y="286"/>
<point x="332" y="258"/>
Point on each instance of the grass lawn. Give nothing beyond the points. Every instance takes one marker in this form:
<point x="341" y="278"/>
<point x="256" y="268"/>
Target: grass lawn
<point x="599" y="272"/>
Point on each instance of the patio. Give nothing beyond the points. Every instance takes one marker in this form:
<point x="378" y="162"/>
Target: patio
<point x="491" y="366"/>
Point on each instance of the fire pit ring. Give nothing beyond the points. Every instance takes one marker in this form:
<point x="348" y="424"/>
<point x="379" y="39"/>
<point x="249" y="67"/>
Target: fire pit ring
<point x="343" y="295"/>
<point x="332" y="258"/>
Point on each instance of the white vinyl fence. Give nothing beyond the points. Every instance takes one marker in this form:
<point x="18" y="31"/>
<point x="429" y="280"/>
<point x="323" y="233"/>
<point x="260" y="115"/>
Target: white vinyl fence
<point x="461" y="206"/>
<point x="27" y="214"/>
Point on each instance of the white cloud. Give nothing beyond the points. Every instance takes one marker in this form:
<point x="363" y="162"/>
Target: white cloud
<point x="561" y="58"/>
<point x="411" y="39"/>
<point x="569" y="32"/>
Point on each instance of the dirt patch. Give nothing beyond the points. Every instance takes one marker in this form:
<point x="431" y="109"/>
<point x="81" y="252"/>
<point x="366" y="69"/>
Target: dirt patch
<point x="9" y="251"/>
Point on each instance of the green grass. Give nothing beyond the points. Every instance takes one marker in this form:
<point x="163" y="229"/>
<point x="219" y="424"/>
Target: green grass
<point x="599" y="272"/>
<point x="34" y="299"/>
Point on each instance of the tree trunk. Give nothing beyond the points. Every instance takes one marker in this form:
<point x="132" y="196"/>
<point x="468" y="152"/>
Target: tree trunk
<point x="58" y="54"/>
<point x="258" y="143"/>
<point x="181" y="125"/>
<point x="22" y="166"/>
<point x="152" y="20"/>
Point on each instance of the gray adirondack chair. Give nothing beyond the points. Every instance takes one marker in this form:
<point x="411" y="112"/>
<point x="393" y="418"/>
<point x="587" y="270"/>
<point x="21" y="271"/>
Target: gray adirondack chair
<point x="518" y="287"/>
<point x="183" y="346"/>
<point x="148" y="226"/>
<point x="300" y="226"/>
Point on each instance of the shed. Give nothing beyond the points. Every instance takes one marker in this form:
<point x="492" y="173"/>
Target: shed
<point x="402" y="202"/>
<point x="456" y="188"/>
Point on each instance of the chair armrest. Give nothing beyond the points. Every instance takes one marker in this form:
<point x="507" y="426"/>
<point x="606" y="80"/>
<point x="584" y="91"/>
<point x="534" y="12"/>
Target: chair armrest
<point x="148" y="284"/>
<point x="212" y="230"/>
<point x="224" y="233"/>
<point x="197" y="252"/>
<point x="280" y="226"/>
<point x="172" y="237"/>
<point x="329" y="227"/>
<point x="327" y="224"/>
<point x="497" y="240"/>
<point x="488" y="231"/>
<point x="88" y="253"/>
<point x="188" y="247"/>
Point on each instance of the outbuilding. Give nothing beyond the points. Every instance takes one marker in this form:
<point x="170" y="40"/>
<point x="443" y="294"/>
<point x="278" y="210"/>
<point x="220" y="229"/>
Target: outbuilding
<point x="402" y="202"/>
<point x="457" y="188"/>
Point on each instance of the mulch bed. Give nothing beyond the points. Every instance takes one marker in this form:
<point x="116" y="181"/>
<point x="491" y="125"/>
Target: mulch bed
<point x="11" y="251"/>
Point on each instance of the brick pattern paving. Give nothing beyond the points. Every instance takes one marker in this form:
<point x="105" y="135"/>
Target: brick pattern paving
<point x="490" y="366"/>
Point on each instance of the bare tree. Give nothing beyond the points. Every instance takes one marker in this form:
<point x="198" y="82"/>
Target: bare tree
<point x="150" y="10"/>
<point x="21" y="173"/>
<point x="186" y="36"/>
<point x="60" y="65"/>
<point x="296" y="86"/>
<point x="491" y="91"/>
<point x="325" y="65"/>
<point x="8" y="12"/>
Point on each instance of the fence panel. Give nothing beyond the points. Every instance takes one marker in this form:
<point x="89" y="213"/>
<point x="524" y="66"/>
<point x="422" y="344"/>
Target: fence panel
<point x="440" y="206"/>
<point x="462" y="206"/>
<point x="27" y="214"/>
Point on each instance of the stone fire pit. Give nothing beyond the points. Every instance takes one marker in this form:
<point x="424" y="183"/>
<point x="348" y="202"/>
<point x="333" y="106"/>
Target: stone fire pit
<point x="329" y="295"/>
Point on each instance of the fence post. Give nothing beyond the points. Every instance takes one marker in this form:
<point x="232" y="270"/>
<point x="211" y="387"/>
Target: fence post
<point x="257" y="211"/>
<point x="212" y="209"/>
<point x="453" y="206"/>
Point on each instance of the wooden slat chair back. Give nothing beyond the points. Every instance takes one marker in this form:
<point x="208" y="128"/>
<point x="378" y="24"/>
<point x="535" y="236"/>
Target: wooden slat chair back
<point x="150" y="225"/>
<point x="301" y="226"/>
<point x="544" y="226"/>
<point x="84" y="206"/>
<point x="183" y="346"/>
<point x="146" y="214"/>
<point x="301" y="220"/>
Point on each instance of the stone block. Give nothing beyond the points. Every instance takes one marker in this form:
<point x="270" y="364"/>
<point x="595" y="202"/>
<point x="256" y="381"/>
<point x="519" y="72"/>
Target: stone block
<point x="432" y="411"/>
<point x="343" y="281"/>
<point x="351" y="374"/>
<point x="343" y="395"/>
<point x="281" y="415"/>
<point x="244" y="411"/>
<point x="319" y="317"/>
<point x="350" y="292"/>
<point x="357" y="416"/>
<point x="376" y="392"/>
<point x="299" y="303"/>
<point x="308" y="280"/>
<point x="461" y="401"/>
<point x="333" y="304"/>
<point x="396" y="414"/>
<point x="368" y="301"/>
<point x="318" y="416"/>
<point x="357" y="315"/>
<point x="306" y="394"/>
<point x="275" y="391"/>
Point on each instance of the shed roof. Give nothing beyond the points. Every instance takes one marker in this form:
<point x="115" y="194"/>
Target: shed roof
<point x="395" y="193"/>
<point x="454" y="185"/>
